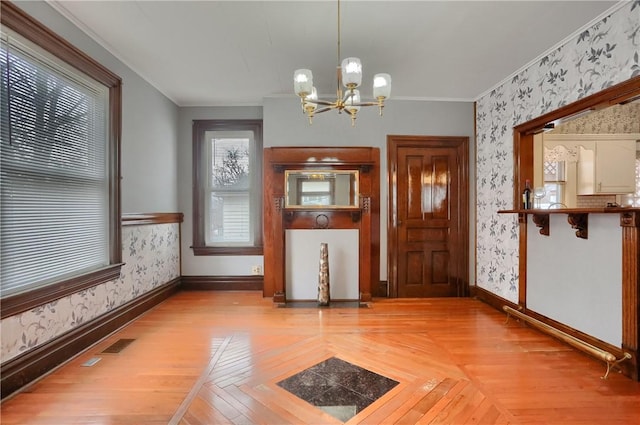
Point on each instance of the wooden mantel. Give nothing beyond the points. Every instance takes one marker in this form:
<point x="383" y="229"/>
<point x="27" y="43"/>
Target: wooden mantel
<point x="277" y="218"/>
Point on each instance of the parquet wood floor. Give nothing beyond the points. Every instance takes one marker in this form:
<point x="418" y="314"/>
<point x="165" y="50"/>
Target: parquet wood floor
<point x="215" y="358"/>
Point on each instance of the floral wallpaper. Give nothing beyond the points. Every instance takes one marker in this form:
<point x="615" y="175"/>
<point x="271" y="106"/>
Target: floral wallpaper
<point x="598" y="57"/>
<point x="151" y="254"/>
<point x="614" y="119"/>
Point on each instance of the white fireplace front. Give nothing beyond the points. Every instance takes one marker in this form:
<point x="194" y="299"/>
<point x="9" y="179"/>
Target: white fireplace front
<point x="302" y="260"/>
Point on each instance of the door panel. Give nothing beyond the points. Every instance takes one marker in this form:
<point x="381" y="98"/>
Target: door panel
<point x="428" y="257"/>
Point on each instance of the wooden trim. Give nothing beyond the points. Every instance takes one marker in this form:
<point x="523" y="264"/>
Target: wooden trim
<point x="114" y="169"/>
<point x="490" y="298"/>
<point x="29" y="366"/>
<point x="227" y="250"/>
<point x="522" y="255"/>
<point x="19" y="21"/>
<point x="19" y="303"/>
<point x="136" y="219"/>
<point x="392" y="226"/>
<point x="393" y="143"/>
<point x="474" y="201"/>
<point x="348" y="156"/>
<point x="277" y="219"/>
<point x="630" y="223"/>
<point x="15" y="304"/>
<point x="380" y="290"/>
<point x="222" y="283"/>
<point x="523" y="133"/>
<point x="610" y="96"/>
<point x="198" y="130"/>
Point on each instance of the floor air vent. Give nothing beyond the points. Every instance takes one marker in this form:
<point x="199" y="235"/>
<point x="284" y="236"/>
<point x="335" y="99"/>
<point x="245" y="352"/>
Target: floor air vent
<point x="118" y="346"/>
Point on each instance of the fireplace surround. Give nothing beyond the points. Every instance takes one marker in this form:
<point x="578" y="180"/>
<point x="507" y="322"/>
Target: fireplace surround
<point x="278" y="217"/>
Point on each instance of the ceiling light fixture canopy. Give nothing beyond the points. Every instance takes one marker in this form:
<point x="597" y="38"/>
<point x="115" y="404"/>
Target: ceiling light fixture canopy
<point x="349" y="74"/>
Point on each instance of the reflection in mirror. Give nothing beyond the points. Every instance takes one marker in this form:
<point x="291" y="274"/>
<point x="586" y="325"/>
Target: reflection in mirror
<point x="591" y="159"/>
<point x="321" y="188"/>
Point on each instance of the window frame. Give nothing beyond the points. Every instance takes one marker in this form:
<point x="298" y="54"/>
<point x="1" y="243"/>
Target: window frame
<point x="200" y="178"/>
<point x="20" y="22"/>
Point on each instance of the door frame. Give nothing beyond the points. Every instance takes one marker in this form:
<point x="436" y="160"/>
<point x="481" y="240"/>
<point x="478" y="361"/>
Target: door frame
<point x="398" y="141"/>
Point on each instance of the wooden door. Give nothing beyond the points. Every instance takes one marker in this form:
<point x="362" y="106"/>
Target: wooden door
<point x="428" y="211"/>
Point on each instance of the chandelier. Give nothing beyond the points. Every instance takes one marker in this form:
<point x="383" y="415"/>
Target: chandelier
<point x="349" y="74"/>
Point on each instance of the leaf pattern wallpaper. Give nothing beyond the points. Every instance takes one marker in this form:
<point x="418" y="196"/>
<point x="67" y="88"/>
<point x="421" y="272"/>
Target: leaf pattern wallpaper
<point x="598" y="57"/>
<point x="151" y="254"/>
<point x="614" y="119"/>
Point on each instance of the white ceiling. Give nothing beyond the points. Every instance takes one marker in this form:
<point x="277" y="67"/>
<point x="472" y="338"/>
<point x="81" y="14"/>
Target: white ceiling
<point x="206" y="53"/>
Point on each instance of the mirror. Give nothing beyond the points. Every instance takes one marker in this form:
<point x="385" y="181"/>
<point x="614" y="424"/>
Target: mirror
<point x="321" y="188"/>
<point x="590" y="153"/>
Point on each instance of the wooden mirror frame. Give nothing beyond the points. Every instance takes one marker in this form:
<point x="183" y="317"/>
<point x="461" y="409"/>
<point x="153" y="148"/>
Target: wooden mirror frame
<point x="523" y="170"/>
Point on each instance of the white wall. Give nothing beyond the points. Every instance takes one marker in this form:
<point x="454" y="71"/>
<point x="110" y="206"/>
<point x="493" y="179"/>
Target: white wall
<point x="577" y="281"/>
<point x="149" y="123"/>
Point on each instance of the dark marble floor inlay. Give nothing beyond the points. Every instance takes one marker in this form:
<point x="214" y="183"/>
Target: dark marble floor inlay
<point x="339" y="388"/>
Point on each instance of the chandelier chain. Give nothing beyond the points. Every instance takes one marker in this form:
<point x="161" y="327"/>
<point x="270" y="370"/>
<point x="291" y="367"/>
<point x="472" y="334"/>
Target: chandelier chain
<point x="338" y="61"/>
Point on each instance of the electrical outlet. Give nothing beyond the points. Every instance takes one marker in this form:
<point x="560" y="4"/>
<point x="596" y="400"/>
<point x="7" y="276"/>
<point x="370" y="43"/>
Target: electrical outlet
<point x="256" y="270"/>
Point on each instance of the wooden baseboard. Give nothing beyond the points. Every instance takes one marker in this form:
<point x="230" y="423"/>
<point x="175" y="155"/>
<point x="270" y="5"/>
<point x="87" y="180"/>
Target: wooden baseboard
<point x="380" y="290"/>
<point x="222" y="283"/>
<point x="490" y="298"/>
<point x="22" y="370"/>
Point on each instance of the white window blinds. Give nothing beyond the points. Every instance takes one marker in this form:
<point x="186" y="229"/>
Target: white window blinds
<point x="54" y="196"/>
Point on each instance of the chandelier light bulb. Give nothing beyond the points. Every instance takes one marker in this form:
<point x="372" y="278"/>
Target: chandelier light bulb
<point x="381" y="86"/>
<point x="351" y="72"/>
<point x="308" y="104"/>
<point x="303" y="82"/>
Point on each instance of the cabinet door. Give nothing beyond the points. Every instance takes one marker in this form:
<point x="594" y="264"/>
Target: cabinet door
<point x="615" y="162"/>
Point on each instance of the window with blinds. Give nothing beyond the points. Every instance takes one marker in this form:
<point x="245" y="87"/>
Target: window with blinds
<point x="229" y="168"/>
<point x="227" y="164"/>
<point x="54" y="180"/>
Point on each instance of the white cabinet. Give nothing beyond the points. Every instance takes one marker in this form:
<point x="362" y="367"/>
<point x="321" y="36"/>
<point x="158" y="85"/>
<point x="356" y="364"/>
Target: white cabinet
<point x="607" y="166"/>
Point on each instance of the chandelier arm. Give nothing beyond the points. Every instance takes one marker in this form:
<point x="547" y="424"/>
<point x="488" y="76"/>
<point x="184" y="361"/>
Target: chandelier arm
<point x="366" y="104"/>
<point x="321" y="110"/>
<point x="324" y="102"/>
